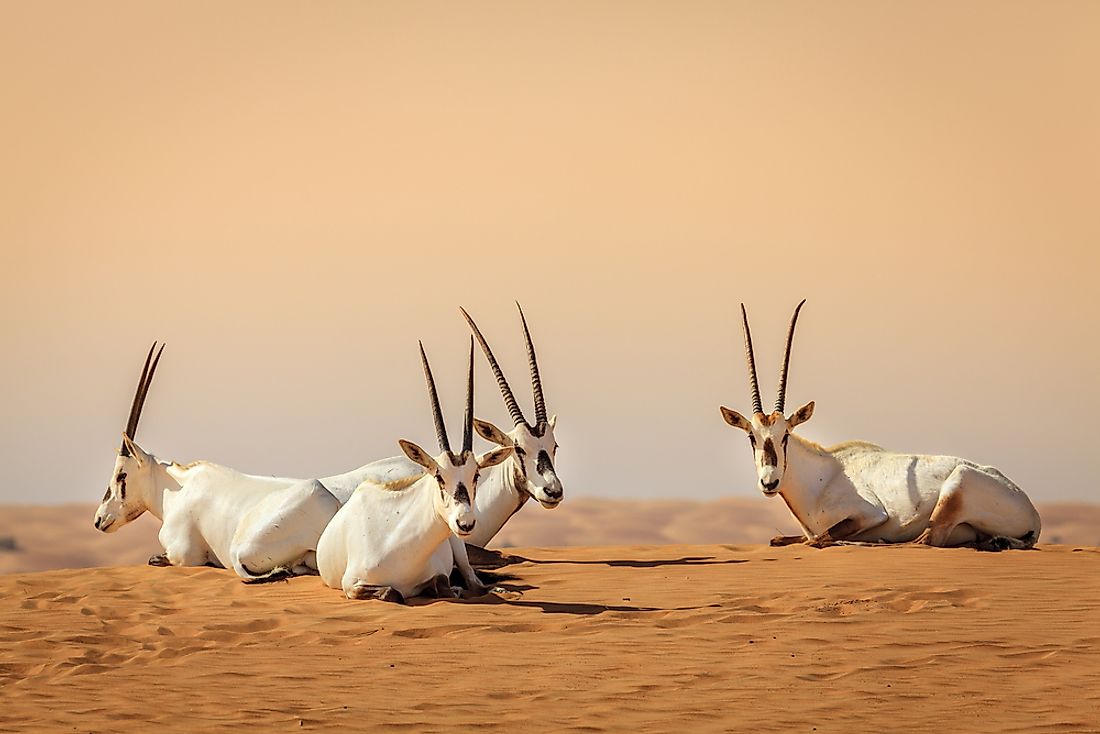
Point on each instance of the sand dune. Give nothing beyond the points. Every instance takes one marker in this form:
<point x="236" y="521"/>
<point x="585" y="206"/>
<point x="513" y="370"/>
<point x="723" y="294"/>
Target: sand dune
<point x="639" y="638"/>
<point x="63" y="537"/>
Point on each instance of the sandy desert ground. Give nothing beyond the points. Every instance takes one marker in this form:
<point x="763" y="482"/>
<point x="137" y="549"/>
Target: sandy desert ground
<point x="632" y="638"/>
<point x="44" y="538"/>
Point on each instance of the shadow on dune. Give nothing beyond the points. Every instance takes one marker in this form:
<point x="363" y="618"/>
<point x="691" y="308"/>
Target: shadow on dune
<point x="579" y="609"/>
<point x="655" y="563"/>
<point x="483" y="559"/>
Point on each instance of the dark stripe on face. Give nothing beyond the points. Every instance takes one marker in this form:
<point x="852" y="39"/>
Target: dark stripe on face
<point x="770" y="457"/>
<point x="543" y="465"/>
<point x="461" y="495"/>
<point x="521" y="465"/>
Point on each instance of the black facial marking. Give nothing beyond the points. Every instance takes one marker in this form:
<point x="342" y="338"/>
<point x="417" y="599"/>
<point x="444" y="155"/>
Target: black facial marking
<point x="543" y="465"/>
<point x="121" y="479"/>
<point x="106" y="495"/>
<point x="521" y="467"/>
<point x="462" y="495"/>
<point x="770" y="457"/>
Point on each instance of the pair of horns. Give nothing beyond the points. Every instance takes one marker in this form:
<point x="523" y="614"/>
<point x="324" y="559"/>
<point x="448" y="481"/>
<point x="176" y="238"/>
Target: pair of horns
<point x="437" y="413"/>
<point x="144" y="382"/>
<point x="502" y="382"/>
<point x="753" y="383"/>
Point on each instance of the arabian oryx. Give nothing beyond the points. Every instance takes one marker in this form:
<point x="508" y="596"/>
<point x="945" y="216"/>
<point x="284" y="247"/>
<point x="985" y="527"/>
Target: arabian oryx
<point x="860" y="492"/>
<point x="213" y="515"/>
<point x="393" y="541"/>
<point x="504" y="489"/>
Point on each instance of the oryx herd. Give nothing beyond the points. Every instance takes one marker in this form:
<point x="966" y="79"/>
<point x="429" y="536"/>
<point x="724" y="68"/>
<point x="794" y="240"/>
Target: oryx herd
<point x="398" y="527"/>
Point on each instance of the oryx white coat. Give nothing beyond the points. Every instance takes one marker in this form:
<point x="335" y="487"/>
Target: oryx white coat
<point x="858" y="491"/>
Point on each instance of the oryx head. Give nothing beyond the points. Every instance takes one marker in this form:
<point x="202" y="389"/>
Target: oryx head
<point x="768" y="433"/>
<point x="534" y="443"/>
<point x="132" y="465"/>
<point x="456" y="474"/>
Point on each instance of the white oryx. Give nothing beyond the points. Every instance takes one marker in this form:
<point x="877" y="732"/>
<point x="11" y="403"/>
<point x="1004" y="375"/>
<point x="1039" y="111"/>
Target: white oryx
<point x="393" y="541"/>
<point x="503" y="490"/>
<point x="212" y="515"/>
<point x="858" y="491"/>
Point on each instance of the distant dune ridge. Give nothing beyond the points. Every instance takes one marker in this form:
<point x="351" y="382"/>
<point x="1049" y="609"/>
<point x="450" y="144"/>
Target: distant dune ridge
<point x="36" y="538"/>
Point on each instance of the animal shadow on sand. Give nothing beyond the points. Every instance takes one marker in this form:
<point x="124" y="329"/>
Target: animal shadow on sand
<point x="578" y="609"/>
<point x="485" y="559"/>
<point x="487" y="563"/>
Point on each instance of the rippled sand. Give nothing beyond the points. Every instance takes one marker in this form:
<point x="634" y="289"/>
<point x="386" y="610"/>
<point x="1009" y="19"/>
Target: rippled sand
<point x="633" y="638"/>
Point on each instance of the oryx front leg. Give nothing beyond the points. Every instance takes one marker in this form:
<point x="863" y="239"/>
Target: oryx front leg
<point x="850" y="527"/>
<point x="183" y="546"/>
<point x="359" y="590"/>
<point x="462" y="561"/>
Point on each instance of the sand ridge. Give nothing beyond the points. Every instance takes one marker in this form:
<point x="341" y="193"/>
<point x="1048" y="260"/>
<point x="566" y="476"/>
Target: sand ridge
<point x="634" y="638"/>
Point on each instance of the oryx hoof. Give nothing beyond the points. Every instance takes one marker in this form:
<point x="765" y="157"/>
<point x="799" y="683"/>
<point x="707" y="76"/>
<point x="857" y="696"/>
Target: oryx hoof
<point x="390" y="594"/>
<point x="781" y="540"/>
<point x="381" y="593"/>
<point x="440" y="587"/>
<point x="160" y="560"/>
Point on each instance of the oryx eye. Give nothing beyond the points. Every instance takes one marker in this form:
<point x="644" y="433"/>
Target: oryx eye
<point x="439" y="478"/>
<point x="752" y="440"/>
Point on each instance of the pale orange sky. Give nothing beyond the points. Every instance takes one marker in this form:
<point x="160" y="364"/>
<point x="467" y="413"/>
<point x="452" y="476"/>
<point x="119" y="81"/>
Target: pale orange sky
<point x="292" y="194"/>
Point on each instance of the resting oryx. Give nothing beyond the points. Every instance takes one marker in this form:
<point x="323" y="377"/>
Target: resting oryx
<point x="858" y="491"/>
<point x="504" y="489"/>
<point x="392" y="541"/>
<point x="213" y="515"/>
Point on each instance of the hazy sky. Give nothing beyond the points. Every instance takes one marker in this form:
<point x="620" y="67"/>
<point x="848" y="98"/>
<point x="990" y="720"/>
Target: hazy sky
<point x="291" y="194"/>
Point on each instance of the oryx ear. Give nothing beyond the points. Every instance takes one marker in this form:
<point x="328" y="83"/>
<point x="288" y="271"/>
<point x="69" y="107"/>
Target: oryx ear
<point x="801" y="415"/>
<point x="553" y="421"/>
<point x="491" y="433"/>
<point x="735" y="419"/>
<point x="418" y="455"/>
<point x="494" y="457"/>
<point x="134" y="450"/>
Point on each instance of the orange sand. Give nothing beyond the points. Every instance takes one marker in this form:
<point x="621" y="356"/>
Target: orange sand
<point x="637" y="638"/>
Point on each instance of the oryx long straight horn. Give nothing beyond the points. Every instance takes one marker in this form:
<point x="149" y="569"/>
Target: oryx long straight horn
<point x="781" y="392"/>
<point x="437" y="414"/>
<point x="468" y="423"/>
<point x="536" y="380"/>
<point x="757" y="406"/>
<point x="502" y="382"/>
<point x="136" y="406"/>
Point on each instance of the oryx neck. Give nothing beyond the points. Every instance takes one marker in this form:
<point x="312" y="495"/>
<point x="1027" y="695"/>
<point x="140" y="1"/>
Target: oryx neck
<point x="809" y="469"/>
<point x="159" y="483"/>
<point x="420" y="525"/>
<point x="498" y="498"/>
